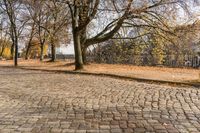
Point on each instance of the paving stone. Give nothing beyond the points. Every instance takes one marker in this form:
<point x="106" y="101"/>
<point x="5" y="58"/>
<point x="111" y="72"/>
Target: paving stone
<point x="42" y="102"/>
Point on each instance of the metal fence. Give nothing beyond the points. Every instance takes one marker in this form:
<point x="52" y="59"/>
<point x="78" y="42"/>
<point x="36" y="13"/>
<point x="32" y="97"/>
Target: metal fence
<point x="186" y="61"/>
<point x="189" y="61"/>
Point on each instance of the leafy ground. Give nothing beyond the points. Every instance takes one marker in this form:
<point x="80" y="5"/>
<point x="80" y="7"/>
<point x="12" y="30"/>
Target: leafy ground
<point x="141" y="72"/>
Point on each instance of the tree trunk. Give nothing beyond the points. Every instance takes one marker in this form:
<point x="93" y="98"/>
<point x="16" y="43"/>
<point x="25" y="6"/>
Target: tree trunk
<point x="53" y="52"/>
<point x="77" y="36"/>
<point x="2" y="51"/>
<point x="27" y="51"/>
<point x="84" y="48"/>
<point x="41" y="52"/>
<point x="30" y="40"/>
<point x="78" y="51"/>
<point x="16" y="52"/>
<point x="1" y="54"/>
<point x="84" y="55"/>
<point x="12" y="51"/>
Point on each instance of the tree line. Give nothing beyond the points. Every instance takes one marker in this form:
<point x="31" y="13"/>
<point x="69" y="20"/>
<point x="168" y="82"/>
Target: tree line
<point x="175" y="51"/>
<point x="87" y="23"/>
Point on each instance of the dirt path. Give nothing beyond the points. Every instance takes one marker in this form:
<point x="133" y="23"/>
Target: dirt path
<point x="154" y="73"/>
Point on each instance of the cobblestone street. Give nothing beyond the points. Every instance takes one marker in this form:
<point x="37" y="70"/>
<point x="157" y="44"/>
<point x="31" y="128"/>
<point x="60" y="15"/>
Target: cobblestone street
<point x="41" y="102"/>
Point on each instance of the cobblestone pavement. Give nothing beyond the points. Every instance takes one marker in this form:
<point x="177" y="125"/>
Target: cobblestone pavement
<point x="41" y="102"/>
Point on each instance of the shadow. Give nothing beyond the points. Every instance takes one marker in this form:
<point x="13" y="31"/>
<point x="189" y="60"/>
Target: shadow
<point x="7" y="66"/>
<point x="195" y="82"/>
<point x="28" y="72"/>
<point x="83" y="72"/>
<point x="50" y="61"/>
<point x="21" y="66"/>
<point x="67" y="65"/>
<point x="17" y="73"/>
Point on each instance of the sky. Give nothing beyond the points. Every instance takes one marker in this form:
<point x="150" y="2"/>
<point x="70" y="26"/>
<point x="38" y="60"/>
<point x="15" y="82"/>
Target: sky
<point x="66" y="50"/>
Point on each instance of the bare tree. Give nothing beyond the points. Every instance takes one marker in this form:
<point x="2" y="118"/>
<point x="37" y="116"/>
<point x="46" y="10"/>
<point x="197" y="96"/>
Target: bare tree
<point x="13" y="11"/>
<point x="82" y="13"/>
<point x="49" y="22"/>
<point x="120" y="12"/>
<point x="57" y="25"/>
<point x="40" y="18"/>
<point x="31" y="25"/>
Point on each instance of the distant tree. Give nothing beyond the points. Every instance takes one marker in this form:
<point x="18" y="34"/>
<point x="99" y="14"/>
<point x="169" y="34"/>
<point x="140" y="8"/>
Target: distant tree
<point x="49" y="24"/>
<point x="12" y="9"/>
<point x="57" y="27"/>
<point x="39" y="19"/>
<point x="31" y="25"/>
<point x="5" y="46"/>
<point x="153" y="49"/>
<point x="35" y="50"/>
